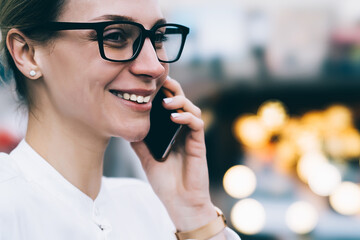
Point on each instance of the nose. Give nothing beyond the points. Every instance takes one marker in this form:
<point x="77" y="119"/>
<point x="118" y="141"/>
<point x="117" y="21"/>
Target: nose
<point x="147" y="63"/>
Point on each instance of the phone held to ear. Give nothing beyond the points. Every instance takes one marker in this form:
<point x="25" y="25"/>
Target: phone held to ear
<point x="163" y="131"/>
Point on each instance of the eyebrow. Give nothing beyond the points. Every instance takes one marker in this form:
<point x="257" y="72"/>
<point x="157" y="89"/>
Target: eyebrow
<point x="125" y="18"/>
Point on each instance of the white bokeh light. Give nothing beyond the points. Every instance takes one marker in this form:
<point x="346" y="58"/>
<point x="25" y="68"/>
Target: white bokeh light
<point x="248" y="216"/>
<point x="309" y="164"/>
<point x="324" y="181"/>
<point x="239" y="181"/>
<point x="346" y="199"/>
<point x="301" y="217"/>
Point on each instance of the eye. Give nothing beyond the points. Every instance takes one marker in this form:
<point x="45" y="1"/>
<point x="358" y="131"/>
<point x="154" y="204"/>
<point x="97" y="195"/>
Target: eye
<point x="114" y="35"/>
<point x="160" y="39"/>
<point x="115" y="38"/>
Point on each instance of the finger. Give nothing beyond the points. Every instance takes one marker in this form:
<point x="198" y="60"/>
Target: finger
<point x="181" y="102"/>
<point x="173" y="86"/>
<point x="186" y="118"/>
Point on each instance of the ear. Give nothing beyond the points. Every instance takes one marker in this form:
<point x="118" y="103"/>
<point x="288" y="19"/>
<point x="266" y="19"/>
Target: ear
<point x="23" y="52"/>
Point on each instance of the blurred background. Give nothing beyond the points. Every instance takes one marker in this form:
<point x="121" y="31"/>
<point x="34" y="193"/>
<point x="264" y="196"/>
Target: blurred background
<point x="278" y="83"/>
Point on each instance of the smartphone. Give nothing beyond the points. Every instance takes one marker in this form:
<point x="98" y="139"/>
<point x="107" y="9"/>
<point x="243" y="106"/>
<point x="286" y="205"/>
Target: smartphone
<point x="163" y="131"/>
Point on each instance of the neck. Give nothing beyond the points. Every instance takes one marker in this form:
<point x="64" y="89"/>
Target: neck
<point x="74" y="150"/>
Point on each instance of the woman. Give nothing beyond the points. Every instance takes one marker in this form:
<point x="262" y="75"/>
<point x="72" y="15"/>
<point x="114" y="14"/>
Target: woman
<point x="51" y="184"/>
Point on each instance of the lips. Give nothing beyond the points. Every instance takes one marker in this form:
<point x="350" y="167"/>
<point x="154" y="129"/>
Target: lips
<point x="140" y="98"/>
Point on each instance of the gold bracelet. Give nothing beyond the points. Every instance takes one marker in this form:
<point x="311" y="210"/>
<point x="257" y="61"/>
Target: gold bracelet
<point x="207" y="231"/>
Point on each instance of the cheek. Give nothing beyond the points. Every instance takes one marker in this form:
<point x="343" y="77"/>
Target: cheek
<point x="75" y="83"/>
<point x="78" y="69"/>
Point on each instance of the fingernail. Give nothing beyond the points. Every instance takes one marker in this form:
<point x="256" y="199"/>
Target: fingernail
<point x="175" y="115"/>
<point x="167" y="100"/>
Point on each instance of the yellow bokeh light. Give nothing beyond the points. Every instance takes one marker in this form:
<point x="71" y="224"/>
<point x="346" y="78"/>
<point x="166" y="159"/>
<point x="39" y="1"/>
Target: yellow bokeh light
<point x="314" y="121"/>
<point x="273" y="115"/>
<point x="239" y="181"/>
<point x="325" y="180"/>
<point x="351" y="141"/>
<point x="301" y="217"/>
<point x="291" y="129"/>
<point x="250" y="131"/>
<point x="248" y="216"/>
<point x="345" y="144"/>
<point x="308" y="141"/>
<point x="338" y="118"/>
<point x="334" y="145"/>
<point x="346" y="199"/>
<point x="286" y="156"/>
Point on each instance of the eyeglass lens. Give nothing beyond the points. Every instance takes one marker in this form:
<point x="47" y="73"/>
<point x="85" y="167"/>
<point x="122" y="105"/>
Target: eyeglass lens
<point x="122" y="41"/>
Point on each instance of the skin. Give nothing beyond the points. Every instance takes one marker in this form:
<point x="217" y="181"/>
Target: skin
<point x="71" y="86"/>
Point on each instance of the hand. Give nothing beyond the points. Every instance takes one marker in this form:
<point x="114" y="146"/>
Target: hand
<point x="181" y="182"/>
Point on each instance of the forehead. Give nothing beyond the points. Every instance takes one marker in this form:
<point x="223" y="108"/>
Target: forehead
<point x="146" y="12"/>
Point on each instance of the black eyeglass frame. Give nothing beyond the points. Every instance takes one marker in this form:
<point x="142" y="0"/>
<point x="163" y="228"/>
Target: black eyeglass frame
<point x="100" y="26"/>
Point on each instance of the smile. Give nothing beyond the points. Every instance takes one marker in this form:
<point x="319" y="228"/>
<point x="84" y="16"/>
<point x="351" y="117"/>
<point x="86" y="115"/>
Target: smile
<point x="131" y="97"/>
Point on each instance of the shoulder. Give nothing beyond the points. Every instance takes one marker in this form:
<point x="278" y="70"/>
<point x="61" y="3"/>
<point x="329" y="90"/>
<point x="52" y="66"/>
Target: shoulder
<point x="14" y="189"/>
<point x="8" y="169"/>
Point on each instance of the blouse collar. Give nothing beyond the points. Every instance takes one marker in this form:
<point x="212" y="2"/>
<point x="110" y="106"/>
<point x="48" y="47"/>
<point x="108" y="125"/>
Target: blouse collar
<point x="37" y="170"/>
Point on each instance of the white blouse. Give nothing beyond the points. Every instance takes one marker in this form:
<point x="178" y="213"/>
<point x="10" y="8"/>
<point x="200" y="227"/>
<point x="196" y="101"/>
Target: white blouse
<point x="38" y="203"/>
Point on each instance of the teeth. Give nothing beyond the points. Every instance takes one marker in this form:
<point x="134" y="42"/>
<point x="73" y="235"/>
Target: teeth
<point x="140" y="99"/>
<point x="133" y="97"/>
<point x="146" y="99"/>
<point x="126" y="96"/>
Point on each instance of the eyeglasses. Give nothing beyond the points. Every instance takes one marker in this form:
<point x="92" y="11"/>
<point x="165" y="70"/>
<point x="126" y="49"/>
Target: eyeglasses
<point x="122" y="41"/>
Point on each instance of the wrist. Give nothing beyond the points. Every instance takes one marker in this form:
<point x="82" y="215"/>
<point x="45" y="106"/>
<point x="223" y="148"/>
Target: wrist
<point x="189" y="218"/>
<point x="213" y="230"/>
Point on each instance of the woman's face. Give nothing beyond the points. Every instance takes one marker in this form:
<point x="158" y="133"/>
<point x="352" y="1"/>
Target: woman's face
<point x="76" y="83"/>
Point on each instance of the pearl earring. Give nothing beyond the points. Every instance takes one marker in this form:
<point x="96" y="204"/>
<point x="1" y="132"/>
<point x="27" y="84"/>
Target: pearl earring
<point x="32" y="73"/>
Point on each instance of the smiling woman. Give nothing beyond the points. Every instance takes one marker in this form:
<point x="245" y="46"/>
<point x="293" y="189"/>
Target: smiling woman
<point x="88" y="70"/>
